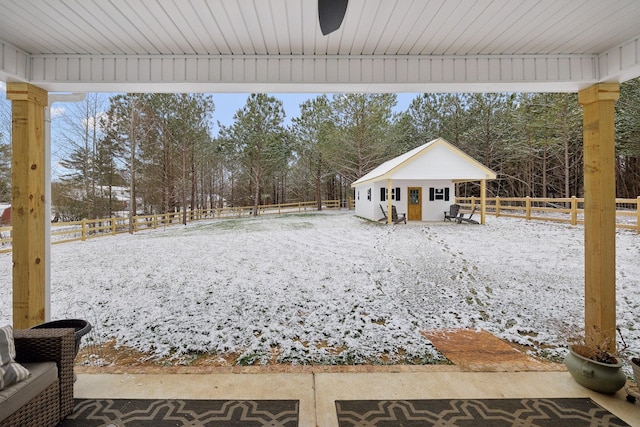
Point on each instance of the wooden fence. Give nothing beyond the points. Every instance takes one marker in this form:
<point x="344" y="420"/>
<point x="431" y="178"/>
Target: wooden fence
<point x="62" y="232"/>
<point x="567" y="210"/>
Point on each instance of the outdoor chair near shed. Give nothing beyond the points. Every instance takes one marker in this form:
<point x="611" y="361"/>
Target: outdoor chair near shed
<point x="395" y="217"/>
<point x="460" y="218"/>
<point x="384" y="215"/>
<point x="454" y="211"/>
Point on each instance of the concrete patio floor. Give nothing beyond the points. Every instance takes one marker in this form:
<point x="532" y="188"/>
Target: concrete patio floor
<point x="317" y="388"/>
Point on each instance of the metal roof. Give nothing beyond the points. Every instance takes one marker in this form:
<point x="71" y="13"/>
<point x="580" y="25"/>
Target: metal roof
<point x="276" y="45"/>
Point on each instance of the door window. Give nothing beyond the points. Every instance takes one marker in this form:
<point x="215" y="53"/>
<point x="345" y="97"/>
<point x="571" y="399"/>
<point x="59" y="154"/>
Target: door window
<point x="414" y="196"/>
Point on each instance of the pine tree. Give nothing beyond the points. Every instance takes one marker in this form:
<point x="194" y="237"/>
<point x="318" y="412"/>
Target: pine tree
<point x="363" y="122"/>
<point x="257" y="134"/>
<point x="628" y="139"/>
<point x="314" y="133"/>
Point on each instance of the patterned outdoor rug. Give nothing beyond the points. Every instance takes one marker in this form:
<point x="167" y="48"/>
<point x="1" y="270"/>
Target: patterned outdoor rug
<point x="476" y="413"/>
<point x="194" y="413"/>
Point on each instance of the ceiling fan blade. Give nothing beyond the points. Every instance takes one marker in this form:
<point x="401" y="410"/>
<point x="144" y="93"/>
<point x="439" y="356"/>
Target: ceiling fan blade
<point x="330" y="14"/>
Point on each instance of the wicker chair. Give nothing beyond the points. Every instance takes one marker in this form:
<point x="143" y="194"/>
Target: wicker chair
<point x="55" y="401"/>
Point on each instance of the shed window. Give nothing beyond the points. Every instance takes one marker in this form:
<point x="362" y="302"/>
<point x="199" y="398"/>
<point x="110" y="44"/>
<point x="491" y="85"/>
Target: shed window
<point x="439" y="194"/>
<point x="369" y="194"/>
<point x="395" y="194"/>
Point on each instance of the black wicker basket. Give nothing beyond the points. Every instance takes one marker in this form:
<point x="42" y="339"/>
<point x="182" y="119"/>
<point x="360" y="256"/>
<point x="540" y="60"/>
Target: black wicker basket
<point x="81" y="327"/>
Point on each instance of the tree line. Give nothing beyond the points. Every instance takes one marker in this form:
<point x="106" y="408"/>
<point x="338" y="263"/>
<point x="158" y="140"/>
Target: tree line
<point x="162" y="150"/>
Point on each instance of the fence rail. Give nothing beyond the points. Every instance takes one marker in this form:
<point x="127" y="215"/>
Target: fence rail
<point x="568" y="210"/>
<point x="63" y="232"/>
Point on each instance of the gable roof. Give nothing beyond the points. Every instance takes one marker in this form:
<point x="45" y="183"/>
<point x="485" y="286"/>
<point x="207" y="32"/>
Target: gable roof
<point x="437" y="159"/>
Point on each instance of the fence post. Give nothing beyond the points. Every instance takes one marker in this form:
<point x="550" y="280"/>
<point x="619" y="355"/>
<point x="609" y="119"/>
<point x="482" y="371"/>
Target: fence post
<point x="84" y="229"/>
<point x="155" y="221"/>
<point x="135" y="224"/>
<point x="574" y="210"/>
<point x="497" y="206"/>
<point x="528" y="208"/>
<point x="113" y="225"/>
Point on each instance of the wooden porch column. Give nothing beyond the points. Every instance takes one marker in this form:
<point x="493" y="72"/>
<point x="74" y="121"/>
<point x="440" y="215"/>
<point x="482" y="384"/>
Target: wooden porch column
<point x="28" y="202"/>
<point x="599" y="212"/>
<point x="389" y="202"/>
<point x="483" y="200"/>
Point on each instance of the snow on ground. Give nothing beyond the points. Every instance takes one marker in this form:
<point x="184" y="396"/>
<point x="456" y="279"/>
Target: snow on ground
<point x="331" y="288"/>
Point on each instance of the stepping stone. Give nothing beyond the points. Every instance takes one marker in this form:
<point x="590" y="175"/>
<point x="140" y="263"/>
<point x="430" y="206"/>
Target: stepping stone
<point x="478" y="350"/>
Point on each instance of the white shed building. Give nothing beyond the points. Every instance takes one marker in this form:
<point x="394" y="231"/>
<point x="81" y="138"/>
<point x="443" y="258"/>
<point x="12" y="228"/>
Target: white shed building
<point x="421" y="182"/>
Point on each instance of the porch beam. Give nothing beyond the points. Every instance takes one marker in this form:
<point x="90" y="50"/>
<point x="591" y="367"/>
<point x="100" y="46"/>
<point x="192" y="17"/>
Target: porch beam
<point x="483" y="200"/>
<point x="389" y="202"/>
<point x="598" y="103"/>
<point x="313" y="73"/>
<point x="28" y="202"/>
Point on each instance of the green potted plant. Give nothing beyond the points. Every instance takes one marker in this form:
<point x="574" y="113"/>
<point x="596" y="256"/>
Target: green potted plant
<point x="592" y="365"/>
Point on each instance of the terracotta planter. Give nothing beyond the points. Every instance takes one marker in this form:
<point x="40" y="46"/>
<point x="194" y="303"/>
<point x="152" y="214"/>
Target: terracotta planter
<point x="597" y="376"/>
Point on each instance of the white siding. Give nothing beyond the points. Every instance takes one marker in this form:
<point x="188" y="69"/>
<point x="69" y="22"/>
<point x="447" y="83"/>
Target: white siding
<point x="431" y="210"/>
<point x="366" y="208"/>
<point x="439" y="163"/>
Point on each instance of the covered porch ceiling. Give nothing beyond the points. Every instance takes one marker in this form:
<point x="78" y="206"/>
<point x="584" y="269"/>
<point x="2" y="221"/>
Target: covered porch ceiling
<point x="277" y="45"/>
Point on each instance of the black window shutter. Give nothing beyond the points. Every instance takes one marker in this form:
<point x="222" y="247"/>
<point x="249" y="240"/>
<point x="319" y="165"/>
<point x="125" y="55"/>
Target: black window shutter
<point x="397" y="194"/>
<point x="446" y="194"/>
<point x="383" y="193"/>
<point x="432" y="195"/>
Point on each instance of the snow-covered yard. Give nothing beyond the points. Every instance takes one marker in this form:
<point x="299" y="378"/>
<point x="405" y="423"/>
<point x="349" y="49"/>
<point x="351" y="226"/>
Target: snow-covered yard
<point x="331" y="288"/>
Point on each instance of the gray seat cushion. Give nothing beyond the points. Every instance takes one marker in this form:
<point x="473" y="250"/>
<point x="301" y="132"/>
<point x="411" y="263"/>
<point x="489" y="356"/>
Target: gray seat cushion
<point x="41" y="376"/>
